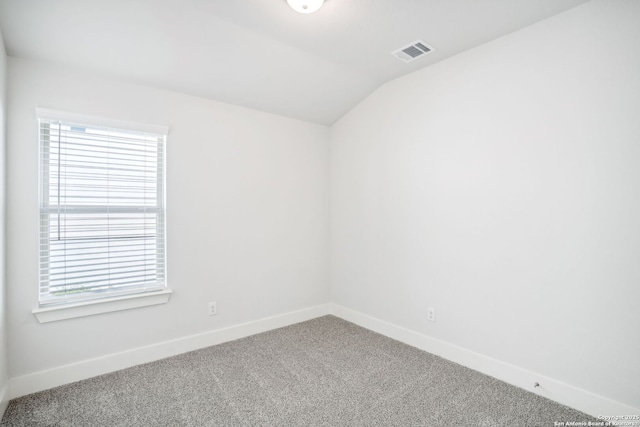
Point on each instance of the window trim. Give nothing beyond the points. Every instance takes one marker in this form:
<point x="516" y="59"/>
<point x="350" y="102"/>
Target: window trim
<point x="47" y="113"/>
<point x="72" y="309"/>
<point x="99" y="306"/>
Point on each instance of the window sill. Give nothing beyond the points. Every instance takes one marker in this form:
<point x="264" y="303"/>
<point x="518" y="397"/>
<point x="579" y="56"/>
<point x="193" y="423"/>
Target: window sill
<point x="70" y="311"/>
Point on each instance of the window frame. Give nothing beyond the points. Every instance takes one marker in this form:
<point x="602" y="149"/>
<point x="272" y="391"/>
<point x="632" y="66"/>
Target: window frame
<point x="50" y="309"/>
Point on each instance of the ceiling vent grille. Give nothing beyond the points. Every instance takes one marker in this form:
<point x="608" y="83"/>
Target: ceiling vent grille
<point x="412" y="51"/>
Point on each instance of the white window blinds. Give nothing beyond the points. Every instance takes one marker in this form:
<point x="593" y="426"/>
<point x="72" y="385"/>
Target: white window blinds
<point x="102" y="230"/>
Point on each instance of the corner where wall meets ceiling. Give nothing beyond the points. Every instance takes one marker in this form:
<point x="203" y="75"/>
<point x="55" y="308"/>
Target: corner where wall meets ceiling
<point x="261" y="55"/>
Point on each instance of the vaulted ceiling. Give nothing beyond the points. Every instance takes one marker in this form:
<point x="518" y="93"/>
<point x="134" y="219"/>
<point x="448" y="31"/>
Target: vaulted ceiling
<point x="260" y="53"/>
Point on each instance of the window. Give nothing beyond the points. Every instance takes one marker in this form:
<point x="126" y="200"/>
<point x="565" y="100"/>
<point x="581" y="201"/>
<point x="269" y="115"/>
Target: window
<point x="102" y="213"/>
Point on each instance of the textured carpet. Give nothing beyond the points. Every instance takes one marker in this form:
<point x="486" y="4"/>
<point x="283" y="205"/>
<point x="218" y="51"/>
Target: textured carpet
<point x="324" y="372"/>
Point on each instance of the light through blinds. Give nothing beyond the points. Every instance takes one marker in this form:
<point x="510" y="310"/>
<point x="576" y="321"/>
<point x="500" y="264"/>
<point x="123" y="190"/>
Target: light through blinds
<point x="102" y="230"/>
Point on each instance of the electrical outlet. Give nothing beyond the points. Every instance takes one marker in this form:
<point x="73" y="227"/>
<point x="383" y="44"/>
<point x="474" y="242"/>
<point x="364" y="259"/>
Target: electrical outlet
<point x="213" y="309"/>
<point x="431" y="314"/>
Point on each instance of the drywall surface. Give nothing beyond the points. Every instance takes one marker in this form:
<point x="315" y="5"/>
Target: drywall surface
<point x="4" y="368"/>
<point x="247" y="217"/>
<point x="501" y="187"/>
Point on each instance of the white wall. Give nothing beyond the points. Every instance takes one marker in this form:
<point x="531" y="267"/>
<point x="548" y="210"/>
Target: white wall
<point x="247" y="216"/>
<point x="4" y="368"/>
<point x="501" y="187"/>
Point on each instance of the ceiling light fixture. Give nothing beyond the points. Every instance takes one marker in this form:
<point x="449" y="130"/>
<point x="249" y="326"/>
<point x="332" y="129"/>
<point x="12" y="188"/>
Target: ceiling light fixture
<point x="305" y="6"/>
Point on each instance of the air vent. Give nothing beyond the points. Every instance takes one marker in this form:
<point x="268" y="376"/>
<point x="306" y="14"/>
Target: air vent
<point x="413" y="51"/>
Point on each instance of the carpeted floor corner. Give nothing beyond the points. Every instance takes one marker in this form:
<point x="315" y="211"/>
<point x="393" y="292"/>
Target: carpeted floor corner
<point x="324" y="372"/>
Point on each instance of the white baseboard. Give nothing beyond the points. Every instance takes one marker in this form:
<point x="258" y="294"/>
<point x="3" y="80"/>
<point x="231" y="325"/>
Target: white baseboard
<point x="550" y="388"/>
<point x="4" y="398"/>
<point x="43" y="380"/>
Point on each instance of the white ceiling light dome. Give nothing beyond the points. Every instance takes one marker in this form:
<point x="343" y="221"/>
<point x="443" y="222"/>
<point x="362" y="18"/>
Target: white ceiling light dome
<point x="305" y="6"/>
